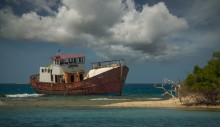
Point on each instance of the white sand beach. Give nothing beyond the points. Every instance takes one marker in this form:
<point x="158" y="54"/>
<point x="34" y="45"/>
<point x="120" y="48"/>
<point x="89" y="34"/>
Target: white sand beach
<point x="171" y="103"/>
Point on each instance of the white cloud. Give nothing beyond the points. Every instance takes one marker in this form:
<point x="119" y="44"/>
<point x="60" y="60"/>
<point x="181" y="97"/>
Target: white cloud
<point x="149" y="25"/>
<point x="149" y="31"/>
<point x="107" y="27"/>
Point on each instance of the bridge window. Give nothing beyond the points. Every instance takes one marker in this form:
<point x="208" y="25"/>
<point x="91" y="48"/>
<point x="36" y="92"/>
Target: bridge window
<point x="70" y="60"/>
<point x="57" y="62"/>
<point x="61" y="62"/>
<point x="66" y="61"/>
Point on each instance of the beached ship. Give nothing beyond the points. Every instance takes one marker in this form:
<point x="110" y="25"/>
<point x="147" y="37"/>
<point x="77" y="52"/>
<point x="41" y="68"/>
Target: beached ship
<point x="66" y="76"/>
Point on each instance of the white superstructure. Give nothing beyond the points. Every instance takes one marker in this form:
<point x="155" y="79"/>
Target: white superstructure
<point x="64" y="69"/>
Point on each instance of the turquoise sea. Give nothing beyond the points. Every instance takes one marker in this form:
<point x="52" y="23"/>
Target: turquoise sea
<point x="20" y="106"/>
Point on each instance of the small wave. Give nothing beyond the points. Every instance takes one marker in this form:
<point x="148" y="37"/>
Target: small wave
<point x="108" y="99"/>
<point x="154" y="98"/>
<point x="24" y="95"/>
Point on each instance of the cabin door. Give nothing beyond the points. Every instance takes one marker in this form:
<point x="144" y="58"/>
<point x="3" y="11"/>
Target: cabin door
<point x="56" y="78"/>
<point x="72" y="78"/>
<point x="81" y="77"/>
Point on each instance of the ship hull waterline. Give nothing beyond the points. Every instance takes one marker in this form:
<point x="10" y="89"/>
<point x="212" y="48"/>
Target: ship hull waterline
<point x="109" y="82"/>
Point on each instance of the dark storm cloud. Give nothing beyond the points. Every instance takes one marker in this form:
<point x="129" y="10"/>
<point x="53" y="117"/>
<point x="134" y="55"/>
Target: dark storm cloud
<point x="97" y="16"/>
<point x="41" y="7"/>
<point x="154" y="48"/>
<point x="203" y="17"/>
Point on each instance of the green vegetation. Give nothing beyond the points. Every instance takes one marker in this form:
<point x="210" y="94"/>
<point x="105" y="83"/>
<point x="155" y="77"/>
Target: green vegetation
<point x="203" y="85"/>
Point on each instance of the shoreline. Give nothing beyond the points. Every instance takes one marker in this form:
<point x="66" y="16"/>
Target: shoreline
<point x="171" y="103"/>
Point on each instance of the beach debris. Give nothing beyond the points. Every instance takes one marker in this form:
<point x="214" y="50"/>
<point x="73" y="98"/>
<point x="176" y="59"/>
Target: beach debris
<point x="169" y="87"/>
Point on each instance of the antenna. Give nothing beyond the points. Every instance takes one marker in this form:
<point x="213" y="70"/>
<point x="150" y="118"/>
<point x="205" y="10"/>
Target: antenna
<point x="59" y="52"/>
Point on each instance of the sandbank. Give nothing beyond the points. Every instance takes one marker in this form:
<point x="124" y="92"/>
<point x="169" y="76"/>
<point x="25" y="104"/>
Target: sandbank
<point x="171" y="103"/>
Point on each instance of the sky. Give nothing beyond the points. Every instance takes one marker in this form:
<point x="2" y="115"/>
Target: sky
<point x="157" y="38"/>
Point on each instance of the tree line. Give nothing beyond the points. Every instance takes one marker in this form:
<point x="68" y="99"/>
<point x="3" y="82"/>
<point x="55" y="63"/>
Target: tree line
<point x="202" y="86"/>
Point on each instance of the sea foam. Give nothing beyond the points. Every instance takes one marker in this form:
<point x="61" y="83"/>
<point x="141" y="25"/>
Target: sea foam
<point x="154" y="98"/>
<point x="107" y="99"/>
<point x="24" y="95"/>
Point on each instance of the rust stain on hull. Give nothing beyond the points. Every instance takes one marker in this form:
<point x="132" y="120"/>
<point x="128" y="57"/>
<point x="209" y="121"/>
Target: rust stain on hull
<point x="109" y="82"/>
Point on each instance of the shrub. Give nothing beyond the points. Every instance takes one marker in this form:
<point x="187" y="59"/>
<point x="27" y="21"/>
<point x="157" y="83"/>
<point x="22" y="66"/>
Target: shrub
<point x="204" y="82"/>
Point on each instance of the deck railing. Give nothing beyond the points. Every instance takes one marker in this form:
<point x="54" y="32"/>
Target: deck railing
<point x="110" y="63"/>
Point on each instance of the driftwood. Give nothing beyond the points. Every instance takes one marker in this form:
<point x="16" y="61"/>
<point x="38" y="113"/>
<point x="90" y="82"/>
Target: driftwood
<point x="173" y="87"/>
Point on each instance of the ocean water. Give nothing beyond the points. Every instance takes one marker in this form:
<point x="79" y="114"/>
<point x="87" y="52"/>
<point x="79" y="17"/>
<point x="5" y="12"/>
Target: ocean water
<point x="22" y="95"/>
<point x="21" y="106"/>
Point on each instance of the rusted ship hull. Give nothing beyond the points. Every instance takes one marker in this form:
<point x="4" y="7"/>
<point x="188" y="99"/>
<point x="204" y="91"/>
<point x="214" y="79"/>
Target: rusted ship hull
<point x="109" y="82"/>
